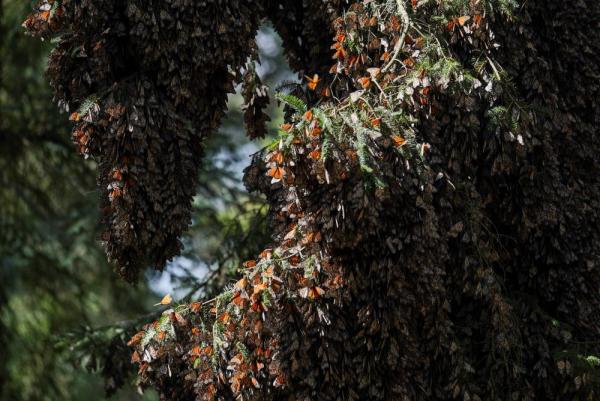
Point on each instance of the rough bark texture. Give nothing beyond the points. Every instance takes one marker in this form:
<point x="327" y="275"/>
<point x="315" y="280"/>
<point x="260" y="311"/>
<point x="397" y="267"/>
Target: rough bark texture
<point x="434" y="196"/>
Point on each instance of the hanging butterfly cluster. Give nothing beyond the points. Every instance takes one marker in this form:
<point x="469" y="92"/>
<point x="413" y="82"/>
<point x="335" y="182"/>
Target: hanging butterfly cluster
<point x="145" y="84"/>
<point x="434" y="202"/>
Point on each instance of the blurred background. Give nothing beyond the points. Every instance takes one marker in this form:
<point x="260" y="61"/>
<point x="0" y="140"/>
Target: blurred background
<point x="65" y="316"/>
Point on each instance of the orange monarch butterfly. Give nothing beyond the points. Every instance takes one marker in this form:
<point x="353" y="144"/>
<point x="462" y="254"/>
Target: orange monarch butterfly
<point x="340" y="53"/>
<point x="315" y="154"/>
<point x="308" y="116"/>
<point x="398" y="140"/>
<point x="315" y="132"/>
<point x="365" y="82"/>
<point x="196" y="307"/>
<point x="276" y="172"/>
<point x="277" y="157"/>
<point x="117" y="175"/>
<point x="313" y="82"/>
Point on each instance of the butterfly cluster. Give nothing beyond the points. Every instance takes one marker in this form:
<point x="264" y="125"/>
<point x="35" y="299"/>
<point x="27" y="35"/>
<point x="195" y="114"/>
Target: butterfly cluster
<point x="434" y="194"/>
<point x="393" y="274"/>
<point x="144" y="86"/>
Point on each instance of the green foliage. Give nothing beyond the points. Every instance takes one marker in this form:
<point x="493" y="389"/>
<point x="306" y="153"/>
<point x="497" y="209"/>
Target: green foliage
<point x="88" y="105"/>
<point x="53" y="274"/>
<point x="292" y="101"/>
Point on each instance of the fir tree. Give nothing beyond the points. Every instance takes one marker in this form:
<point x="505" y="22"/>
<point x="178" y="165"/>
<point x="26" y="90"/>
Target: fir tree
<point x="433" y="194"/>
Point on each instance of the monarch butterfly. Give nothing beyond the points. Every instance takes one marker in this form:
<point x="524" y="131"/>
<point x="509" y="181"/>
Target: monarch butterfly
<point x="266" y="254"/>
<point x="312" y="292"/>
<point x="365" y="82"/>
<point x="308" y="116"/>
<point x="276" y="173"/>
<point x="167" y="299"/>
<point x="315" y="154"/>
<point x="117" y="175"/>
<point x="277" y="157"/>
<point x="315" y="132"/>
<point x="340" y="53"/>
<point x="313" y="82"/>
<point x="196" y="307"/>
<point x="241" y="284"/>
<point x="398" y="140"/>
<point x="374" y="72"/>
<point x="196" y="351"/>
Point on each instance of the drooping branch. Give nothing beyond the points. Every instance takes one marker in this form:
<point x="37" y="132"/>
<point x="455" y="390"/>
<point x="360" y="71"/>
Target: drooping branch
<point x="435" y="220"/>
<point x="394" y="272"/>
<point x="145" y="86"/>
<point x="400" y="43"/>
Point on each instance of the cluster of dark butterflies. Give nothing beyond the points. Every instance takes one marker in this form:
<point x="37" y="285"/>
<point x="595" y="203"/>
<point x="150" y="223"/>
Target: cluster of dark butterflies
<point x="434" y="201"/>
<point x="145" y="84"/>
<point x="411" y="288"/>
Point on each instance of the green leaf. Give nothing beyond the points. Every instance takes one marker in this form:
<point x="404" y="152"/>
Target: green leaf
<point x="292" y="101"/>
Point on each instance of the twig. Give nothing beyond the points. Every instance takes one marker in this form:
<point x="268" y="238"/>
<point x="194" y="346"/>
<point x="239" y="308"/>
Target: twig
<point x="400" y="42"/>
